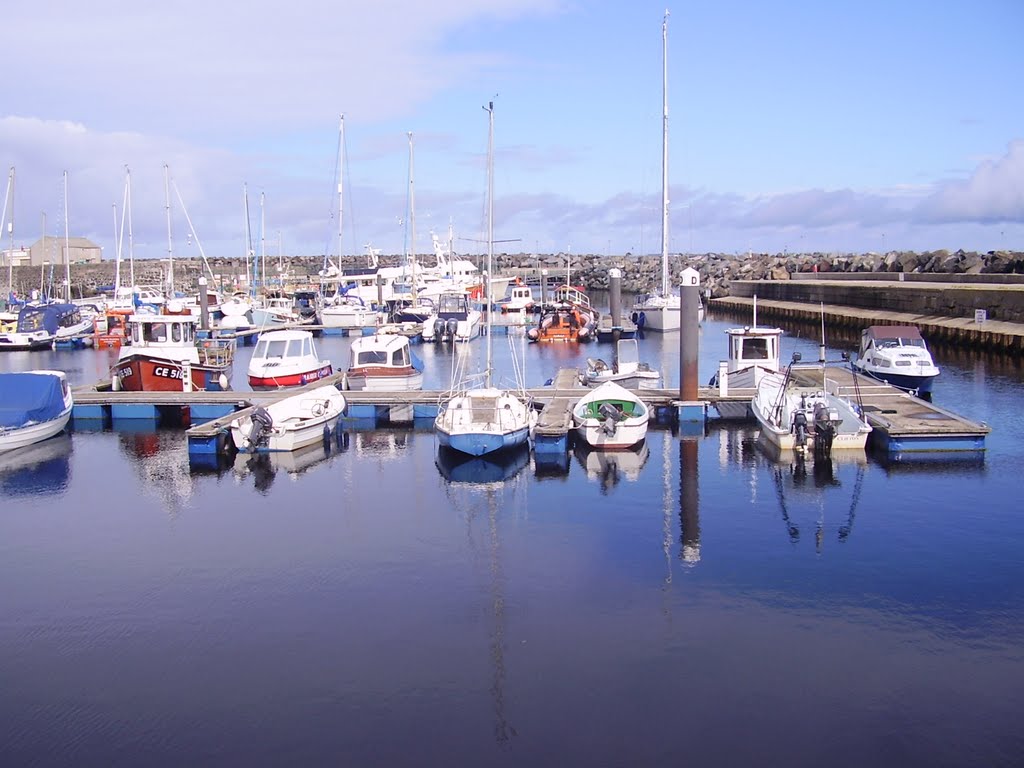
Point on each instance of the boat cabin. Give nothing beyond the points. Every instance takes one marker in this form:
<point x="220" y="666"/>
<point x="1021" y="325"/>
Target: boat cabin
<point x="750" y="347"/>
<point x="392" y="351"/>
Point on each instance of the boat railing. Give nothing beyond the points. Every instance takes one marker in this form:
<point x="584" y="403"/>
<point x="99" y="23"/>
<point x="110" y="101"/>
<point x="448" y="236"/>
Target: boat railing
<point x="216" y="353"/>
<point x="572" y="295"/>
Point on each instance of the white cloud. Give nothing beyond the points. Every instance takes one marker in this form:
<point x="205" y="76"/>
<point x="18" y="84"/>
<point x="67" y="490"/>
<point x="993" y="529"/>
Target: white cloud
<point x="993" y="193"/>
<point x="152" y="65"/>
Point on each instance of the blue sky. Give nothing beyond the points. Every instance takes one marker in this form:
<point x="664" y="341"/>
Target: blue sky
<point x="839" y="126"/>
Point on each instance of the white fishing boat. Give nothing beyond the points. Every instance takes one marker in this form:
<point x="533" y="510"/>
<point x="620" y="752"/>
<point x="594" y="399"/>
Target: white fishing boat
<point x="485" y="420"/>
<point x="626" y="369"/>
<point x="795" y="417"/>
<point x="384" y="363"/>
<point x="286" y="358"/>
<point x="610" y="416"/>
<point x="660" y="311"/>
<point x="303" y="419"/>
<point x="897" y="355"/>
<point x="34" y="406"/>
<point x="753" y="351"/>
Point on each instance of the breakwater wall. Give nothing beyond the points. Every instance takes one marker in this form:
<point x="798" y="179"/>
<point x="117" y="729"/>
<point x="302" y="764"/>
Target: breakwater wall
<point x="721" y="274"/>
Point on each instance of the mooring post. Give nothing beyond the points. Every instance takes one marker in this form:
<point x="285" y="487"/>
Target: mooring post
<point x="690" y="408"/>
<point x="204" y="305"/>
<point x="543" y="287"/>
<point x="615" y="310"/>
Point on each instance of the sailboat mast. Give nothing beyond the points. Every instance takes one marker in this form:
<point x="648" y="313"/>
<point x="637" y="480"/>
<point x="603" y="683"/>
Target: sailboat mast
<point x="131" y="234"/>
<point x="250" y="269"/>
<point x="67" y="244"/>
<point x="117" y="252"/>
<point x="9" y="198"/>
<point x="664" y="156"/>
<point x="263" y="244"/>
<point x="170" y="242"/>
<point x="490" y="233"/>
<point x="341" y="189"/>
<point x="412" y="218"/>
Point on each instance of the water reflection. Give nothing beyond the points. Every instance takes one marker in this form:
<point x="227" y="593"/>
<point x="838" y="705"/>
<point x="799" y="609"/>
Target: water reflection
<point x="805" y="493"/>
<point x="458" y="467"/>
<point x="43" y="468"/>
<point x="689" y="501"/>
<point x="264" y="467"/>
<point x="160" y="459"/>
<point x="611" y="467"/>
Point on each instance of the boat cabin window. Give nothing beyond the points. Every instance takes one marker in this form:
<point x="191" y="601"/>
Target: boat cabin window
<point x="307" y="347"/>
<point x="270" y="348"/>
<point x="400" y="356"/>
<point x="372" y="357"/>
<point x="176" y="333"/>
<point x="155" y="332"/>
<point x="452" y="303"/>
<point x="755" y="349"/>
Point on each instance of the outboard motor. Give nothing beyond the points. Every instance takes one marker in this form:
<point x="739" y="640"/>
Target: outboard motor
<point x="825" y="429"/>
<point x="262" y="423"/>
<point x="452" y="328"/>
<point x="612" y="416"/>
<point x="800" y="429"/>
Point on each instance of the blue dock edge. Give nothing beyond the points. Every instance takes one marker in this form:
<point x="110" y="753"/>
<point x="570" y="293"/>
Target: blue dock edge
<point x="691" y="411"/>
<point x="927" y="444"/>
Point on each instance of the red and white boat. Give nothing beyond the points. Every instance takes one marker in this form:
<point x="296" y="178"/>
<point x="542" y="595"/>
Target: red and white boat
<point x="384" y="362"/>
<point x="286" y="359"/>
<point x="166" y="355"/>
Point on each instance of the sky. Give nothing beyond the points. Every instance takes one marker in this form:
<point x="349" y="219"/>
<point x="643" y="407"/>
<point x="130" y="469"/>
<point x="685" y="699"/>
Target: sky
<point x="844" y="126"/>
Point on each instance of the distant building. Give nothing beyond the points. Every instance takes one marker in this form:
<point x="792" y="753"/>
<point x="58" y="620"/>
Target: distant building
<point x="51" y="250"/>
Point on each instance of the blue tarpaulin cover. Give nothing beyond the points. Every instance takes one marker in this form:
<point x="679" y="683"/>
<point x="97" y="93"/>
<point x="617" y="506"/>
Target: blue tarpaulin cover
<point x="29" y="397"/>
<point x="47" y="317"/>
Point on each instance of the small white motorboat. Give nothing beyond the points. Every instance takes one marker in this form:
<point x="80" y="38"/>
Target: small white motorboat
<point x="384" y="362"/>
<point x="303" y="419"/>
<point x="610" y="416"/>
<point x="34" y="406"/>
<point x="806" y="418"/>
<point x="897" y="355"/>
<point x="625" y="370"/>
<point x="286" y="359"/>
<point x="454" y="320"/>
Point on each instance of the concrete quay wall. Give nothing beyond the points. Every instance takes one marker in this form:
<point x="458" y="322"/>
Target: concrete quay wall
<point x="1002" y="301"/>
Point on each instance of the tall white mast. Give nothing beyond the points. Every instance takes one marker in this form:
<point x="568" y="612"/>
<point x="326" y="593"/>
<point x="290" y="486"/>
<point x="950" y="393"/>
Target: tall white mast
<point x="412" y="218"/>
<point x="249" y="277"/>
<point x="664" y="157"/>
<point x="490" y="232"/>
<point x="9" y="198"/>
<point x="117" y="251"/>
<point x="170" y="246"/>
<point x="341" y="188"/>
<point x="67" y="244"/>
<point x="263" y="241"/>
<point x="131" y="233"/>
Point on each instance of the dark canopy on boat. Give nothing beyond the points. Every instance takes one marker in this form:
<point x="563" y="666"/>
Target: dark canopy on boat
<point x="29" y="397"/>
<point x="893" y="332"/>
<point x="48" y="317"/>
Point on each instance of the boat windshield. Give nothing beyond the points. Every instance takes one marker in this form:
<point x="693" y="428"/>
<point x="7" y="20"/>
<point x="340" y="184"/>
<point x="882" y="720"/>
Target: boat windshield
<point x="372" y="357"/>
<point x="755" y="349"/>
<point x="271" y="348"/>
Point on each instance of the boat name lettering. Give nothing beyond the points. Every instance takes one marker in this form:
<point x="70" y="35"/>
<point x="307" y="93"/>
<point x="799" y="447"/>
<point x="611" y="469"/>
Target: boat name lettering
<point x="167" y="373"/>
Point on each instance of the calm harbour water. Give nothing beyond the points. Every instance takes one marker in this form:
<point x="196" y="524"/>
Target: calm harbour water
<point x="372" y="605"/>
